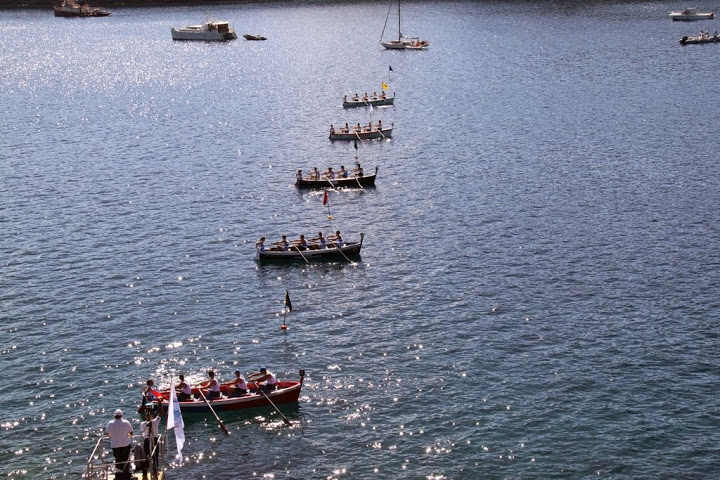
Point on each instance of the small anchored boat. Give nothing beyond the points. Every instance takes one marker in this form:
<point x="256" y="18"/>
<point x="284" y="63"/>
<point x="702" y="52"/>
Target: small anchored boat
<point x="374" y="101"/>
<point x="361" y="133"/>
<point x="691" y="14"/>
<point x="209" y="31"/>
<point x="72" y="9"/>
<point x="353" y="181"/>
<point x="253" y="37"/>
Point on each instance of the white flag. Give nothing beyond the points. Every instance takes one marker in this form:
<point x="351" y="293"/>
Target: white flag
<point x="175" y="421"/>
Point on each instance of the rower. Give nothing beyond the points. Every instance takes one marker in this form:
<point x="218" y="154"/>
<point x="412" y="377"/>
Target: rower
<point x="282" y="245"/>
<point x="329" y="173"/>
<point x="184" y="392"/>
<point x="301" y="243"/>
<point x="213" y="387"/>
<point x="319" y="241"/>
<point x="264" y="375"/>
<point x="336" y="239"/>
<point x="237" y="387"/>
<point x="358" y="171"/>
<point x="342" y="173"/>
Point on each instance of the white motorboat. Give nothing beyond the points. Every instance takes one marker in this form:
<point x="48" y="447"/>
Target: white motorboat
<point x="690" y="14"/>
<point x="209" y="31"/>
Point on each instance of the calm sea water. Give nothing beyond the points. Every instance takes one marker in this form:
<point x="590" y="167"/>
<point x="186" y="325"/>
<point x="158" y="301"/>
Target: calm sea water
<point x="538" y="291"/>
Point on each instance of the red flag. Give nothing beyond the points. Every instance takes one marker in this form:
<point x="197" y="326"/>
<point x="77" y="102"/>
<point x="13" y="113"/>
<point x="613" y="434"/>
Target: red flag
<point x="325" y="198"/>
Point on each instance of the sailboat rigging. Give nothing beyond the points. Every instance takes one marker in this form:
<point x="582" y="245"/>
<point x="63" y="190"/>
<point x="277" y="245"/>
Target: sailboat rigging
<point x="403" y="42"/>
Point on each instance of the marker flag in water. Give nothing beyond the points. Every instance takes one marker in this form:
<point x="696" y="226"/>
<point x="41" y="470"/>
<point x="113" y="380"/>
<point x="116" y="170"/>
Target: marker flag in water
<point x="325" y="198"/>
<point x="355" y="144"/>
<point x="384" y="86"/>
<point x="391" y="68"/>
<point x="288" y="305"/>
<point x="175" y="421"/>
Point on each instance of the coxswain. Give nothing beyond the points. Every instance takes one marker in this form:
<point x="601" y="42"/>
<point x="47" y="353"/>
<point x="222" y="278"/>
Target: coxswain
<point x="260" y="244"/>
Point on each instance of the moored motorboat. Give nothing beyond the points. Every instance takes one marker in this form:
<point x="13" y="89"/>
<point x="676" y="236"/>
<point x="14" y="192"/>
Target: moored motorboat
<point x="71" y="9"/>
<point x="293" y="254"/>
<point x="353" y="181"/>
<point x="253" y="37"/>
<point x="702" y="38"/>
<point x="287" y="391"/>
<point x="691" y="14"/>
<point x="209" y="31"/>
<point x="368" y="132"/>
<point x="374" y="101"/>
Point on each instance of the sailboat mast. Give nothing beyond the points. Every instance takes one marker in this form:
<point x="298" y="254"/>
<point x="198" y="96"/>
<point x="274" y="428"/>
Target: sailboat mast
<point x="399" y="32"/>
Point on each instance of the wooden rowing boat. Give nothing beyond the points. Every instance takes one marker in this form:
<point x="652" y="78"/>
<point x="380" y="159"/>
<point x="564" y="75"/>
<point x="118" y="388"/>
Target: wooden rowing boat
<point x="375" y="102"/>
<point x="349" y="249"/>
<point x="287" y="392"/>
<point x="373" y="133"/>
<point x="348" y="182"/>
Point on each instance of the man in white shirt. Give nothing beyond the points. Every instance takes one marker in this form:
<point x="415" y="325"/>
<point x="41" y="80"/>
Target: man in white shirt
<point x="120" y="432"/>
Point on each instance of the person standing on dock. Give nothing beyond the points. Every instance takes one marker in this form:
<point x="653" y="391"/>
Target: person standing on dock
<point x="120" y="432"/>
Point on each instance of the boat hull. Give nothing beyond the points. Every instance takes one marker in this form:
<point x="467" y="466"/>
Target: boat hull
<point x="691" y="17"/>
<point x="94" y="12"/>
<point x="364" y="135"/>
<point x="202" y="36"/>
<point x="247" y="36"/>
<point x="287" y="392"/>
<point x="405" y="45"/>
<point x="320" y="254"/>
<point x="349" y="182"/>
<point x="380" y="102"/>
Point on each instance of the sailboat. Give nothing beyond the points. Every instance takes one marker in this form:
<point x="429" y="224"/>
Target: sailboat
<point x="403" y="42"/>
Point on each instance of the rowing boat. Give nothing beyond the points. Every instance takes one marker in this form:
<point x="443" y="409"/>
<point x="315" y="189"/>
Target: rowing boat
<point x="374" y="102"/>
<point x="373" y="133"/>
<point x="346" y="182"/>
<point x="287" y="392"/>
<point x="331" y="252"/>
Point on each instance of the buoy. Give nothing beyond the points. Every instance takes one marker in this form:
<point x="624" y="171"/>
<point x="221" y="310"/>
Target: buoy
<point x="283" y="327"/>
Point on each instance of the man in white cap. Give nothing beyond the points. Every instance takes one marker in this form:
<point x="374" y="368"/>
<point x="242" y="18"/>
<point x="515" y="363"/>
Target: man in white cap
<point x="120" y="432"/>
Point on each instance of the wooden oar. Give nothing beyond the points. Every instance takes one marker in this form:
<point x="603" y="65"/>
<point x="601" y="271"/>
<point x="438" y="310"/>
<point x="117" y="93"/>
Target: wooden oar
<point x="222" y="425"/>
<point x="341" y="252"/>
<point x="301" y="254"/>
<point x="285" y="419"/>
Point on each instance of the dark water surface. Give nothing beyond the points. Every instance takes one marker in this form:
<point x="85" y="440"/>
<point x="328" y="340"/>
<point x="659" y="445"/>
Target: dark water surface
<point x="538" y="294"/>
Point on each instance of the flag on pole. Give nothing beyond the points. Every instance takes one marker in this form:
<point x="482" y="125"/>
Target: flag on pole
<point x="175" y="421"/>
<point x="391" y="68"/>
<point x="325" y="198"/>
<point x="385" y="86"/>
<point x="288" y="305"/>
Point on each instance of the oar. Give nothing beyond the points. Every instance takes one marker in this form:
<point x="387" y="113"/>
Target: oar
<point x="285" y="419"/>
<point x="301" y="254"/>
<point x="222" y="425"/>
<point x="339" y="249"/>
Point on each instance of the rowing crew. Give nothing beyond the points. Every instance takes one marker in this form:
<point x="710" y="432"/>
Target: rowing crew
<point x="358" y="128"/>
<point x="330" y="174"/>
<point x="317" y="243"/>
<point x="211" y="388"/>
<point x="365" y="98"/>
